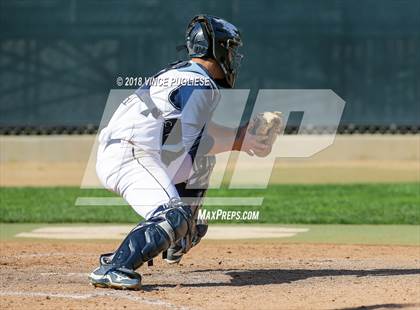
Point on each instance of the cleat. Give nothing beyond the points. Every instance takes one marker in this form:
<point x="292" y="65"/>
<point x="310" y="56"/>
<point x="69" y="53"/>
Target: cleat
<point x="174" y="254"/>
<point x="105" y="259"/>
<point x="119" y="278"/>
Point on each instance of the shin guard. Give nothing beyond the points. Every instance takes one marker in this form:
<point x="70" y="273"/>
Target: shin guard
<point x="169" y="224"/>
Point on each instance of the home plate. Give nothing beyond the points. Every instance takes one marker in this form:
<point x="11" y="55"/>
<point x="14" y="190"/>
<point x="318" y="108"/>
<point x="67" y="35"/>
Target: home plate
<point x="216" y="232"/>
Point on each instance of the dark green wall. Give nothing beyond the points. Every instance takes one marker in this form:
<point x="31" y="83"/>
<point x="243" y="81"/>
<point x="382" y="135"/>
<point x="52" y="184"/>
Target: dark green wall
<point x="58" y="59"/>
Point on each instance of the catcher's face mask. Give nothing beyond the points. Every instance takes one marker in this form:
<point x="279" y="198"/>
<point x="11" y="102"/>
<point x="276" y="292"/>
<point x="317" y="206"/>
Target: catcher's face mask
<point x="233" y="63"/>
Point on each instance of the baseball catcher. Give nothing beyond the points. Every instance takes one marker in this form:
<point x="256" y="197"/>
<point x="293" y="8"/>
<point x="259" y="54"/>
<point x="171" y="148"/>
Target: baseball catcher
<point x="157" y="151"/>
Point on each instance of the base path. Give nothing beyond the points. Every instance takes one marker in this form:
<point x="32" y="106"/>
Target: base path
<point x="215" y="232"/>
<point x="290" y="233"/>
<point x="222" y="274"/>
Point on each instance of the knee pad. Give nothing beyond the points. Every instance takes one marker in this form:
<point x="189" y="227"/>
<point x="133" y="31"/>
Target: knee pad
<point x="169" y="224"/>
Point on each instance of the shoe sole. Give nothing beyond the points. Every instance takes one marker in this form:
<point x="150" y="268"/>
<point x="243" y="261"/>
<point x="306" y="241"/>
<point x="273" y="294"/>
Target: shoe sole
<point x="173" y="261"/>
<point x="107" y="284"/>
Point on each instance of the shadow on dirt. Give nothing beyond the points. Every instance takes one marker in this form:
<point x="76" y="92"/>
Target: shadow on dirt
<point x="279" y="276"/>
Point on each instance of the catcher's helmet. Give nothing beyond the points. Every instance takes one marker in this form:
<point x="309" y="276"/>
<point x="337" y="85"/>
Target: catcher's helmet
<point x="212" y="37"/>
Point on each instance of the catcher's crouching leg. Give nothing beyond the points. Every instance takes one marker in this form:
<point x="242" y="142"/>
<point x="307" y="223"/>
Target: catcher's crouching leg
<point x="169" y="224"/>
<point x="193" y="190"/>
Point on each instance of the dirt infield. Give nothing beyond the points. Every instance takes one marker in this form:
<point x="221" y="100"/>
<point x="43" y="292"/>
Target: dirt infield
<point x="217" y="275"/>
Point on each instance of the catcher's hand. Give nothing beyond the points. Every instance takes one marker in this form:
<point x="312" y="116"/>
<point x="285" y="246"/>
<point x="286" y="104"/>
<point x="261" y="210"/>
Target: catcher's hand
<point x="264" y="129"/>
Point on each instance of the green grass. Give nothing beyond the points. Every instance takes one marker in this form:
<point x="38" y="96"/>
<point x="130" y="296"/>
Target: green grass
<point x="304" y="204"/>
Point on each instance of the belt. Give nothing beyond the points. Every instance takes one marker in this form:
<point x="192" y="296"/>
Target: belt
<point x="115" y="141"/>
<point x="112" y="141"/>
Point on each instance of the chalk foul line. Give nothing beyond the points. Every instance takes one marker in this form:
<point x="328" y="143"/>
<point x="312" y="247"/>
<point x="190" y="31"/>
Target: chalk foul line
<point x="108" y="293"/>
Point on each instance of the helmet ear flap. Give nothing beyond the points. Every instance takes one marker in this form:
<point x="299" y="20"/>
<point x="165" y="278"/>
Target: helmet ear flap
<point x="198" y="41"/>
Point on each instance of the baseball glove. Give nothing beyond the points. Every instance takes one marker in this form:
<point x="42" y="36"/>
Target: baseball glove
<point x="266" y="126"/>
